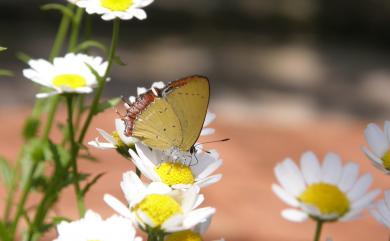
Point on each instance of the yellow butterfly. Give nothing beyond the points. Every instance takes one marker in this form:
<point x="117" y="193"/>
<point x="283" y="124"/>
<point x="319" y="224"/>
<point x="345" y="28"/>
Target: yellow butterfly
<point x="171" y="117"/>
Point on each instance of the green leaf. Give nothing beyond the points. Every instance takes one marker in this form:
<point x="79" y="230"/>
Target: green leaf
<point x="92" y="182"/>
<point x="7" y="73"/>
<point x="119" y="61"/>
<point x="90" y="44"/>
<point x="2" y="48"/>
<point x="23" y="57"/>
<point x="30" y="128"/>
<point x="107" y="104"/>
<point x="5" y="233"/>
<point x="7" y="173"/>
<point x="59" y="7"/>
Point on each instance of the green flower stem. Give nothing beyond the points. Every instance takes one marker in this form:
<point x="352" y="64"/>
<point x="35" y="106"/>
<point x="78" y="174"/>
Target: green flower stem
<point x="54" y="101"/>
<point x="75" y="30"/>
<point x="61" y="34"/>
<point x="102" y="81"/>
<point x="20" y="207"/>
<point x="317" y="234"/>
<point x="74" y="153"/>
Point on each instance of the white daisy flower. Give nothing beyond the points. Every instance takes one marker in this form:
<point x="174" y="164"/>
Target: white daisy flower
<point x="177" y="173"/>
<point x="114" y="141"/>
<point x="329" y="192"/>
<point x="73" y="1"/>
<point x="379" y="146"/>
<point x="112" y="9"/>
<point x="381" y="210"/>
<point x="158" y="206"/>
<point x="69" y="74"/>
<point x="93" y="227"/>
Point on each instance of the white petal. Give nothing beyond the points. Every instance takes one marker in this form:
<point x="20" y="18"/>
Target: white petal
<point x="376" y="139"/>
<point x="310" y="167"/>
<point x="331" y="169"/>
<point x="213" y="165"/>
<point x="209" y="180"/>
<point x="139" y="13"/>
<point x="375" y="213"/>
<point x="285" y="196"/>
<point x="349" y="176"/>
<point x="387" y="197"/>
<point x="197" y="216"/>
<point x="101" y="145"/>
<point x="210" y="117"/>
<point x="294" y="215"/>
<point x="117" y="205"/>
<point x="360" y="187"/>
<point x="46" y="94"/>
<point x="364" y="201"/>
<point x="107" y="136"/>
<point x="145" y="166"/>
<point x="207" y="131"/>
<point x="291" y="177"/>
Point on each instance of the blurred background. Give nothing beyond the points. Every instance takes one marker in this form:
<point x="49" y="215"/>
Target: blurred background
<point x="286" y="76"/>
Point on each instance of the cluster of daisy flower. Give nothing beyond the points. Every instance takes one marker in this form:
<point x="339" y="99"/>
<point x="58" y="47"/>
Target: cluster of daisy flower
<point x="333" y="191"/>
<point x="167" y="206"/>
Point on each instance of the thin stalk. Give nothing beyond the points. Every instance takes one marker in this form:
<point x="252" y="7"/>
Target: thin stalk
<point x="61" y="35"/>
<point x="317" y="233"/>
<point x="74" y="150"/>
<point x="20" y="207"/>
<point x="75" y="30"/>
<point x="102" y="81"/>
<point x="51" y="114"/>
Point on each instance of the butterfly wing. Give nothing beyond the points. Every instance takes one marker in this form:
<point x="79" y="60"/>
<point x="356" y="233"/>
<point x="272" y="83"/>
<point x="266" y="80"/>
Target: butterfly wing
<point x="189" y="99"/>
<point x="157" y="126"/>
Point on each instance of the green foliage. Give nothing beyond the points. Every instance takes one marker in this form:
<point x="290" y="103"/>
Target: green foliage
<point x="59" y="7"/>
<point x="7" y="173"/>
<point x="84" y="46"/>
<point x="30" y="128"/>
<point x="2" y="48"/>
<point x="6" y="73"/>
<point x="23" y="57"/>
<point x="107" y="104"/>
<point x="119" y="61"/>
<point x="91" y="183"/>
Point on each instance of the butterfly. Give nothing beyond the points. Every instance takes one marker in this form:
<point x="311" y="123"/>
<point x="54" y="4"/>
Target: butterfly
<point x="171" y="117"/>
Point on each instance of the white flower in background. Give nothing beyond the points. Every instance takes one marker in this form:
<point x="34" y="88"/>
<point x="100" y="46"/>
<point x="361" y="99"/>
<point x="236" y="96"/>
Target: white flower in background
<point x="158" y="206"/>
<point x="329" y="192"/>
<point x="73" y="1"/>
<point x="379" y="146"/>
<point x="116" y="140"/>
<point x="210" y="117"/>
<point x="381" y="210"/>
<point x="93" y="227"/>
<point x="69" y="74"/>
<point x="112" y="9"/>
<point x="177" y="173"/>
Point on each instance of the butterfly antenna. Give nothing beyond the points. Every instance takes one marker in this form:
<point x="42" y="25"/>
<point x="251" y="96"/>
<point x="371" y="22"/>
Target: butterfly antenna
<point x="207" y="142"/>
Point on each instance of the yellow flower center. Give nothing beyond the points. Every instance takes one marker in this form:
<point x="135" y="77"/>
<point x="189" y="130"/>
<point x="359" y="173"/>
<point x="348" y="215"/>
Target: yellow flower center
<point x="118" y="139"/>
<point x="386" y="160"/>
<point x="72" y="81"/>
<point x="159" y="208"/>
<point x="116" y="5"/>
<point x="175" y="173"/>
<point x="187" y="235"/>
<point x="327" y="198"/>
